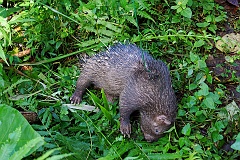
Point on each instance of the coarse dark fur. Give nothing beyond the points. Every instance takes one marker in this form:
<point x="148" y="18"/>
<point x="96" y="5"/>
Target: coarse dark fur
<point x="141" y="83"/>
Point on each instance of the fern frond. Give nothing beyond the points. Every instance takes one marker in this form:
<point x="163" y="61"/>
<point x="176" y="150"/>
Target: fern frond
<point x="143" y="5"/>
<point x="145" y="15"/>
<point x="132" y="20"/>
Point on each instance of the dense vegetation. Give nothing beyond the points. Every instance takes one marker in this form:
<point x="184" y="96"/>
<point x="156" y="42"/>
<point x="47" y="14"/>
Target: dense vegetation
<point x="41" y="41"/>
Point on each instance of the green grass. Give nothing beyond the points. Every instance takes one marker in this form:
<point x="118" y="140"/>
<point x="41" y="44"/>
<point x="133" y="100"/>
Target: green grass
<point x="180" y="33"/>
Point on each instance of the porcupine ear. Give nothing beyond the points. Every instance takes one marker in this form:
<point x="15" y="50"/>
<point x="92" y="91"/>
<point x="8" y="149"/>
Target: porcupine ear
<point x="163" y="120"/>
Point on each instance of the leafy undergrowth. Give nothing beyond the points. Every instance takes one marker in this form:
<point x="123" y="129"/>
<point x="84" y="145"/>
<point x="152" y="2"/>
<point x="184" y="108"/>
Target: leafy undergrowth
<point x="39" y="71"/>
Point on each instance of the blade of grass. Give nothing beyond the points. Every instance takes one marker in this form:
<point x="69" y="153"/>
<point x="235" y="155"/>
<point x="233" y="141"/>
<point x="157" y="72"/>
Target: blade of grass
<point x="57" y="58"/>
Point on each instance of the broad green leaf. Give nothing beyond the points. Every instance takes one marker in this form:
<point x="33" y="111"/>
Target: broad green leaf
<point x="236" y="144"/>
<point x="7" y="148"/>
<point x="14" y="124"/>
<point x="24" y="150"/>
<point x="187" y="13"/>
<point x="186" y="130"/>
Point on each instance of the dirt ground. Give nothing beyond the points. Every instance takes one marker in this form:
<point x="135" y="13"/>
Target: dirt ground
<point x="223" y="71"/>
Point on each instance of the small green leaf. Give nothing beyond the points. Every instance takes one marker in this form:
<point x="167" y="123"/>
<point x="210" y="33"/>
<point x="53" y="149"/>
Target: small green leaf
<point x="187" y="13"/>
<point x="219" y="125"/>
<point x="201" y="64"/>
<point x="199" y="43"/>
<point x="192" y="86"/>
<point x="209" y="103"/>
<point x="190" y="72"/>
<point x="193" y="57"/>
<point x="186" y="130"/>
<point x="181" y="112"/>
<point x="179" y="9"/>
<point x="198" y="148"/>
<point x="58" y="44"/>
<point x="204" y="24"/>
<point x="216" y="136"/>
<point x="174" y="7"/>
<point x="176" y="19"/>
<point x="219" y="18"/>
<point x="204" y="90"/>
<point x="181" y="141"/>
<point x="213" y="28"/>
<point x="209" y="18"/>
